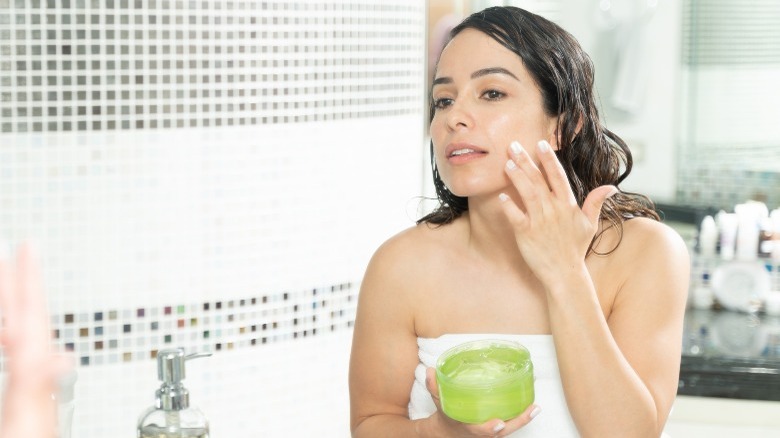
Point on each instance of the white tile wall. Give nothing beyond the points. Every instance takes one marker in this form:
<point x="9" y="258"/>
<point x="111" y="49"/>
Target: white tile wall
<point x="211" y="175"/>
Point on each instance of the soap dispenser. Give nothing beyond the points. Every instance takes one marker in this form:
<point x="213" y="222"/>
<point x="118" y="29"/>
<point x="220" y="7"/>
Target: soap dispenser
<point x="172" y="416"/>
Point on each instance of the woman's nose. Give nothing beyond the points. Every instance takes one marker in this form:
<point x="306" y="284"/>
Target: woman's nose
<point x="459" y="116"/>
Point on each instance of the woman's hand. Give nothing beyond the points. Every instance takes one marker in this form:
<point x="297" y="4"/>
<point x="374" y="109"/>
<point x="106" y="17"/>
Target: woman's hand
<point x="446" y="426"/>
<point x="552" y="231"/>
<point x="33" y="369"/>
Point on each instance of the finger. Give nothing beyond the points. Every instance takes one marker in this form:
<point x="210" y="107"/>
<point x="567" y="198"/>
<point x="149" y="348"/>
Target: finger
<point x="32" y="298"/>
<point x="511" y="210"/>
<point x="595" y="201"/>
<point x="493" y="427"/>
<point x="29" y="285"/>
<point x="33" y="316"/>
<point x="556" y="176"/>
<point x="430" y="383"/>
<point x="531" y="193"/>
<point x="521" y="420"/>
<point x="8" y="297"/>
<point x="524" y="161"/>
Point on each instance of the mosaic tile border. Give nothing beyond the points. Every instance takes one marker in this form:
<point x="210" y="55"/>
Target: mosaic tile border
<point x="125" y="335"/>
<point x="725" y="182"/>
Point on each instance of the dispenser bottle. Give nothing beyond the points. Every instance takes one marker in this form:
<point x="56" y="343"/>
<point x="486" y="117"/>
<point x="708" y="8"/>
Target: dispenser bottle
<point x="172" y="416"/>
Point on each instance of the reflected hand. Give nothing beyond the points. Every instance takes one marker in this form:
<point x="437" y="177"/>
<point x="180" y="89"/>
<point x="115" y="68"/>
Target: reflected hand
<point x="33" y="369"/>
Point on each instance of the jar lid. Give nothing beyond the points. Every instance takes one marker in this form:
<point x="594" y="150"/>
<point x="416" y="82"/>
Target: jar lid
<point x="486" y="362"/>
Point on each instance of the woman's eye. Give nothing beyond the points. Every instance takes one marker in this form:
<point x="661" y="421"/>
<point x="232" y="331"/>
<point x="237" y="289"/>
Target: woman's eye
<point x="493" y="94"/>
<point x="442" y="102"/>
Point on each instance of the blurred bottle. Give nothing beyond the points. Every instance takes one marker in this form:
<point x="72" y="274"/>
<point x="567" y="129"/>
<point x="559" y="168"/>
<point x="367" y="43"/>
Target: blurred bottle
<point x="65" y="404"/>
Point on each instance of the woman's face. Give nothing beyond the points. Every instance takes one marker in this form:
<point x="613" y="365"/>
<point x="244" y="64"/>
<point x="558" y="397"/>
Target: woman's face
<point x="484" y="98"/>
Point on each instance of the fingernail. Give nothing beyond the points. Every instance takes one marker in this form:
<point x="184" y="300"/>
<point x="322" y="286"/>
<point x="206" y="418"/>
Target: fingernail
<point x="535" y="412"/>
<point x="499" y="427"/>
<point x="511" y="165"/>
<point x="516" y="148"/>
<point x="613" y="192"/>
<point x="503" y="197"/>
<point x="543" y="146"/>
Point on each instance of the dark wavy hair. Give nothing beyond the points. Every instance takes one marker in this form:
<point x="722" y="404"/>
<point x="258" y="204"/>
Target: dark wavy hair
<point x="591" y="156"/>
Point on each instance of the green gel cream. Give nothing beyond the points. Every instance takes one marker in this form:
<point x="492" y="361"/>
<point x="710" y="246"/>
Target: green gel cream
<point x="482" y="380"/>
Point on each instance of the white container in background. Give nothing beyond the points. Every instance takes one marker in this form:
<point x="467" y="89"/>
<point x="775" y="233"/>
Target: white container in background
<point x="766" y="238"/>
<point x="772" y="303"/>
<point x="775" y="218"/>
<point x="748" y="232"/>
<point x="757" y="209"/>
<point x="727" y="223"/>
<point x="749" y="217"/>
<point x="708" y="237"/>
<point x="702" y="298"/>
<point x="741" y="285"/>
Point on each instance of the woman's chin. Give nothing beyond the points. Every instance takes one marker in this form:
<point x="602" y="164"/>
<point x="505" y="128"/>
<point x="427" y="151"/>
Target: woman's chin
<point x="477" y="185"/>
<point x="477" y="192"/>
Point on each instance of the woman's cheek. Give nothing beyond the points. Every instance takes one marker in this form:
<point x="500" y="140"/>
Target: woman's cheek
<point x="503" y="128"/>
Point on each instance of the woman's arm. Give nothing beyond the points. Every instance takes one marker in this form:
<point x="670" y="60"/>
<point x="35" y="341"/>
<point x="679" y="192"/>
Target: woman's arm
<point x="384" y="352"/>
<point x="384" y="349"/>
<point x="619" y="376"/>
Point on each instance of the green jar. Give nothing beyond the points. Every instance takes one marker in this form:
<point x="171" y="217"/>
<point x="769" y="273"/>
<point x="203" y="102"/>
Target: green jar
<point x="486" y="379"/>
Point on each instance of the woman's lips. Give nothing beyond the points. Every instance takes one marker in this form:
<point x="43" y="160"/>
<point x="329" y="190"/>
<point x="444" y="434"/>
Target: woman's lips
<point x="458" y="154"/>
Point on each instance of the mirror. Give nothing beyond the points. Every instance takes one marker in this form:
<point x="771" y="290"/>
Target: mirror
<point x="729" y="144"/>
<point x="691" y="86"/>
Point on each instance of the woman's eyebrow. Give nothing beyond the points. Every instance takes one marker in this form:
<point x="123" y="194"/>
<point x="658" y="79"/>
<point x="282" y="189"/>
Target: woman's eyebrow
<point x="493" y="71"/>
<point x="441" y="80"/>
<point x="479" y="73"/>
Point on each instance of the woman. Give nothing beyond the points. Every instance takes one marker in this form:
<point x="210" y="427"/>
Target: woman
<point x="533" y="242"/>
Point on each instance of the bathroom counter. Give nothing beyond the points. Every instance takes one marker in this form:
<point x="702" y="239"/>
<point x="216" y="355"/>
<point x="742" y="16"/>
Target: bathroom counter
<point x="730" y="355"/>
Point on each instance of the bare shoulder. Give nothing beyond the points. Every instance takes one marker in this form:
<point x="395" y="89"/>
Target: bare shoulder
<point x="652" y="258"/>
<point x="412" y="250"/>
<point x="403" y="264"/>
<point x="647" y="239"/>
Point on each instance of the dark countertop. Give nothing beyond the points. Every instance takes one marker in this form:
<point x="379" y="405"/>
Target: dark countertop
<point x="730" y="354"/>
<point x="725" y="354"/>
